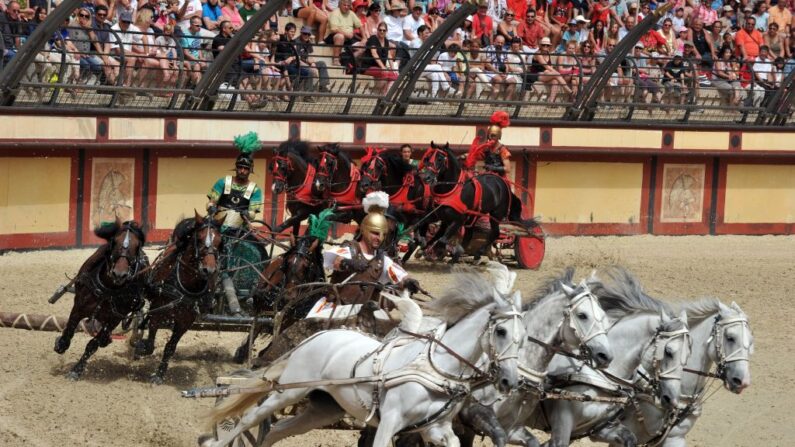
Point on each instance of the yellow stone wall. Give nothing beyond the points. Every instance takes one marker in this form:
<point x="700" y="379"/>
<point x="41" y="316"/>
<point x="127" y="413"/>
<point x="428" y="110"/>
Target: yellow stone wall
<point x="34" y="195"/>
<point x="574" y="192"/>
<point x="760" y="193"/>
<point x="611" y="138"/>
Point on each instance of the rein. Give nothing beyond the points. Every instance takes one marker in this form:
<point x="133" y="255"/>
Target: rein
<point x="434" y="340"/>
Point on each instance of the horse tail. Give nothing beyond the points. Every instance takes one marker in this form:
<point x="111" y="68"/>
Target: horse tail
<point x="256" y="388"/>
<point x="515" y="213"/>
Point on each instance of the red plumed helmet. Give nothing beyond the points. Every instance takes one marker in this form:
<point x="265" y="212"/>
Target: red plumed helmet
<point x="500" y="118"/>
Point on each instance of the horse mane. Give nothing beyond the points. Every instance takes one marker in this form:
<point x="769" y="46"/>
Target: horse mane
<point x="553" y="284"/>
<point x="108" y="231"/>
<point x="297" y="147"/>
<point x="621" y="294"/>
<point x="700" y="309"/>
<point x="183" y="231"/>
<point x="468" y="291"/>
<point x="395" y="163"/>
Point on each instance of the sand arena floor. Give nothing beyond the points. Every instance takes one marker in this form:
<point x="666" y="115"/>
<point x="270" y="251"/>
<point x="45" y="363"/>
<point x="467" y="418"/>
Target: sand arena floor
<point x="114" y="405"/>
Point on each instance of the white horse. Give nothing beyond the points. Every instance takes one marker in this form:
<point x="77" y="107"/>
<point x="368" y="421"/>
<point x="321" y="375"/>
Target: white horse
<point x="651" y="351"/>
<point x="406" y="383"/>
<point x="563" y="316"/>
<point x="721" y="337"/>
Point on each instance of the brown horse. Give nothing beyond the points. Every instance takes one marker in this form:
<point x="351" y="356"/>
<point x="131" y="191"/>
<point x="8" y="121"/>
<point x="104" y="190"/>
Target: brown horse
<point x="108" y="287"/>
<point x="301" y="264"/>
<point x="181" y="285"/>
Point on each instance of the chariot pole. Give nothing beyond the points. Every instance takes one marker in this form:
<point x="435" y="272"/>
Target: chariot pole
<point x="39" y="322"/>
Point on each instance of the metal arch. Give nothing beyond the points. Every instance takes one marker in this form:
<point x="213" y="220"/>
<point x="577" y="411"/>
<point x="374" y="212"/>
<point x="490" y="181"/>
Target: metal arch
<point x="583" y="108"/>
<point x="16" y="67"/>
<point x="780" y="103"/>
<point x="395" y="100"/>
<point x="204" y="95"/>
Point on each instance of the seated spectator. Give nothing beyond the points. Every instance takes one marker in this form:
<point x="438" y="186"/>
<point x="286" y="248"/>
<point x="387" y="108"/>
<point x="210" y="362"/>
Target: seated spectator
<point x="680" y="41"/>
<point x="725" y="79"/>
<point x="764" y="80"/>
<point x="464" y="32"/>
<point x="705" y="14"/>
<point x="502" y="82"/>
<point x="778" y="71"/>
<point x="379" y="60"/>
<point x="629" y="23"/>
<point x="477" y="70"/>
<point x="650" y="90"/>
<point x="166" y="54"/>
<point x="110" y="66"/>
<point x="82" y="36"/>
<point x="653" y="42"/>
<point x="587" y="61"/>
<point x="620" y="82"/>
<point x="192" y="44"/>
<point x="187" y="10"/>
<point x="433" y="19"/>
<point x="411" y="23"/>
<point x="454" y="63"/>
<point x="781" y="16"/>
<point x="13" y="30"/>
<point x="598" y="36"/>
<point x="342" y="25"/>
<point x="507" y="26"/>
<point x="761" y="15"/>
<point x="531" y="31"/>
<point x="231" y="14"/>
<point x="669" y="35"/>
<point x="212" y="15"/>
<point x="680" y="18"/>
<point x="675" y="80"/>
<point x="702" y="40"/>
<point x="121" y="6"/>
<point x="568" y="66"/>
<point x="169" y="15"/>
<point x="482" y="25"/>
<point x="561" y="13"/>
<point x="547" y="74"/>
<point x="317" y="70"/>
<point x="576" y="31"/>
<point x="361" y="9"/>
<point x="776" y="41"/>
<point x="727" y="18"/>
<point x="247" y="9"/>
<point x="127" y="45"/>
<point x="602" y="12"/>
<point x="748" y="40"/>
<point x="435" y="72"/>
<point x="311" y="15"/>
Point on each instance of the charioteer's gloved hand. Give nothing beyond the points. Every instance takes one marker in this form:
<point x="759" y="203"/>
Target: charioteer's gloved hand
<point x="357" y="264"/>
<point x="212" y="209"/>
<point x="412" y="285"/>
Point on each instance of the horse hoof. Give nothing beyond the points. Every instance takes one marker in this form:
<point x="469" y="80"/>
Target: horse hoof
<point x="61" y="345"/>
<point x="142" y="349"/>
<point x="155" y="379"/>
<point x="74" y="376"/>
<point x="241" y="354"/>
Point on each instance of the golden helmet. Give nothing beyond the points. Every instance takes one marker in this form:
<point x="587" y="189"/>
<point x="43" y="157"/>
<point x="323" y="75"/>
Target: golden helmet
<point x="494" y="133"/>
<point x="375" y="222"/>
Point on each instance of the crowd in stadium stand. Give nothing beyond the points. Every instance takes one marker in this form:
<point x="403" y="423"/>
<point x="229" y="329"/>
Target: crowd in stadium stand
<point x="741" y="49"/>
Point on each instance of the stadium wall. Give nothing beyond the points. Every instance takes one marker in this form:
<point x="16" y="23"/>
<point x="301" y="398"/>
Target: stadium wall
<point x="61" y="175"/>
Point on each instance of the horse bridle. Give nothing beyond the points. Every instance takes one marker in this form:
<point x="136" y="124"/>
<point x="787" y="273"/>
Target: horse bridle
<point x="207" y="247"/>
<point x="132" y="260"/>
<point x="433" y="152"/>
<point x="326" y="167"/>
<point x="743" y="346"/>
<point x="375" y="179"/>
<point x="278" y="160"/>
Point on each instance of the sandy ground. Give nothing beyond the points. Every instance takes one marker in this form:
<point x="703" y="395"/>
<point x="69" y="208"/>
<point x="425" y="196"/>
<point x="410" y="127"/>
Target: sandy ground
<point x="115" y="406"/>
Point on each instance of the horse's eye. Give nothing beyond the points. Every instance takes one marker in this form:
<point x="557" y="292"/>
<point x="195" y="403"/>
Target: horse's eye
<point x="730" y="339"/>
<point x="668" y="353"/>
<point x="582" y="316"/>
<point x="501" y="332"/>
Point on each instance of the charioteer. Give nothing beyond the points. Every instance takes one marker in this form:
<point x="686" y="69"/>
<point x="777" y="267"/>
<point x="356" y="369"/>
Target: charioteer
<point x="495" y="156"/>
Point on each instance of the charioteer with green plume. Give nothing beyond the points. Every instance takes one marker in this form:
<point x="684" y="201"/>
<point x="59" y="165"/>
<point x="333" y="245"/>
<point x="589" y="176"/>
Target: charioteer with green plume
<point x="236" y="196"/>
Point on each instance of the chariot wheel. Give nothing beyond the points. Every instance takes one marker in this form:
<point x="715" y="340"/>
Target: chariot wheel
<point x="529" y="250"/>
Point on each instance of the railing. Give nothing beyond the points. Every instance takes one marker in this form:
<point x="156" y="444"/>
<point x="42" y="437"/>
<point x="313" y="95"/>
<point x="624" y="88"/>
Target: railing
<point x="272" y="77"/>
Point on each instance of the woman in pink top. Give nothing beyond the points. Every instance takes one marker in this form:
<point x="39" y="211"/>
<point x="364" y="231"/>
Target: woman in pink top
<point x="230" y="12"/>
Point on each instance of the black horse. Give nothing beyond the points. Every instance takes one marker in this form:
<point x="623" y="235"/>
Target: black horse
<point x="294" y="173"/>
<point x="301" y="264"/>
<point x="108" y="287"/>
<point x="181" y="285"/>
<point x="408" y="195"/>
<point x="464" y="198"/>
<point x="338" y="179"/>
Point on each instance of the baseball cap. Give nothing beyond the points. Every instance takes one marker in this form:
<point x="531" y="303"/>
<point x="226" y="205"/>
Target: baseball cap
<point x="306" y="30"/>
<point x="125" y="16"/>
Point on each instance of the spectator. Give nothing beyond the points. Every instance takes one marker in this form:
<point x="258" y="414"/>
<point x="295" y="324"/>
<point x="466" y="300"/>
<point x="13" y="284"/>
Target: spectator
<point x="191" y="44"/>
<point x="764" y="81"/>
<point x="463" y="33"/>
<point x="745" y="14"/>
<point x="187" y="10"/>
<point x="629" y="23"/>
<point x="680" y="40"/>
<point x="726" y="79"/>
<point x="603" y="12"/>
<point x="212" y="15"/>
<point x="653" y="42"/>
<point x="562" y="12"/>
<point x="103" y="42"/>
<point x="781" y="16"/>
<point x="311" y="15"/>
<point x="82" y="36"/>
<point x="702" y="41"/>
<point x="778" y="71"/>
<point x="435" y="72"/>
<point x="531" y="31"/>
<point x="669" y="35"/>
<point x="650" y="90"/>
<point x="482" y="26"/>
<point x="60" y="42"/>
<point x="247" y="9"/>
<point x="748" y="40"/>
<point x="394" y="22"/>
<point x="620" y="81"/>
<point x="433" y="19"/>
<point x="502" y="83"/>
<point x="576" y="31"/>
<point x="679" y="19"/>
<point x="342" y="24"/>
<point x="519" y="7"/>
<point x="761" y="15"/>
<point x="597" y="36"/>
<point x="405" y="154"/>
<point x="727" y="18"/>
<point x="507" y="26"/>
<point x="146" y="61"/>
<point x="547" y="74"/>
<point x="568" y="67"/>
<point x="728" y="41"/>
<point x="13" y="29"/>
<point x="120" y="6"/>
<point x="317" y="69"/>
<point x="454" y="63"/>
<point x="378" y="60"/>
<point x="716" y="34"/>
<point x="127" y="45"/>
<point x="225" y="31"/>
<point x="776" y="41"/>
<point x="411" y="23"/>
<point x="587" y="61"/>
<point x="705" y="14"/>
<point x="164" y="16"/>
<point x="477" y="70"/>
<point x="231" y="14"/>
<point x="166" y="55"/>
<point x="675" y="79"/>
<point x="360" y="8"/>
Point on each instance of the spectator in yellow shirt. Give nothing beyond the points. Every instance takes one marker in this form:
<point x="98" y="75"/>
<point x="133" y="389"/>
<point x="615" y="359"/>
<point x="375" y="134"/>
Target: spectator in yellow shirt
<point x="342" y="23"/>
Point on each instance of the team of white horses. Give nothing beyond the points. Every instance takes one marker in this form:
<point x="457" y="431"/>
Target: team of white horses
<point x="597" y="359"/>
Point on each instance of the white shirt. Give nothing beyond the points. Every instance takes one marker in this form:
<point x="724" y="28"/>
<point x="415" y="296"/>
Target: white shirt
<point x="193" y="7"/>
<point x="409" y="24"/>
<point x="392" y="273"/>
<point x="762" y="68"/>
<point x="126" y="39"/>
<point x="131" y="9"/>
<point x="394" y="28"/>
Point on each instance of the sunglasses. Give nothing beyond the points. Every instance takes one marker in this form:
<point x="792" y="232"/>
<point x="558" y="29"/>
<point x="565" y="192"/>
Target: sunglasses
<point x="545" y="45"/>
<point x="382" y="29"/>
<point x="85" y="16"/>
<point x="509" y="15"/>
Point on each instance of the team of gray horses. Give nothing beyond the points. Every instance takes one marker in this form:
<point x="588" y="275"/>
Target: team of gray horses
<point x="598" y="359"/>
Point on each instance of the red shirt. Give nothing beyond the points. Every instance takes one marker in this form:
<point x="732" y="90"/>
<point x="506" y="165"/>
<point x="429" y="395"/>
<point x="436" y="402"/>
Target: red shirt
<point x="560" y="11"/>
<point x="482" y="25"/>
<point x="652" y="40"/>
<point x="530" y="34"/>
<point x="750" y="42"/>
<point x="602" y="13"/>
<point x="519" y="7"/>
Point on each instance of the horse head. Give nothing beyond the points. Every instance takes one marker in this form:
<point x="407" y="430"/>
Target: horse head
<point x="207" y="243"/>
<point x="434" y="162"/>
<point x="665" y="357"/>
<point x="126" y="241"/>
<point x="586" y="324"/>
<point x="327" y="166"/>
<point x="301" y="261"/>
<point x="505" y="334"/>
<point x="289" y="165"/>
<point x="373" y="168"/>
<point x="730" y="347"/>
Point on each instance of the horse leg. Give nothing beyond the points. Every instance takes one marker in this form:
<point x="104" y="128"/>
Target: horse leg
<point x="102" y="339"/>
<point x="322" y="410"/>
<point x="522" y="436"/>
<point x="441" y="434"/>
<point x="561" y="419"/>
<point x="445" y="239"/>
<point x="146" y="346"/>
<point x="78" y="313"/>
<point x="482" y="419"/>
<point x="616" y="434"/>
<point x="181" y="325"/>
<point x="389" y="424"/>
<point x="494" y="233"/>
